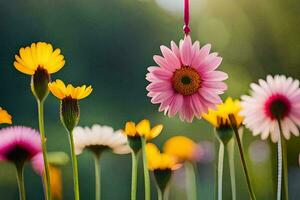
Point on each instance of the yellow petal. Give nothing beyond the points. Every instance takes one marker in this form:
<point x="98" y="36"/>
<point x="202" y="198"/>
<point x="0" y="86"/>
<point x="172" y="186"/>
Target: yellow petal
<point x="143" y="128"/>
<point x="5" y="118"/>
<point x="155" y="131"/>
<point x="130" y="129"/>
<point x="23" y="69"/>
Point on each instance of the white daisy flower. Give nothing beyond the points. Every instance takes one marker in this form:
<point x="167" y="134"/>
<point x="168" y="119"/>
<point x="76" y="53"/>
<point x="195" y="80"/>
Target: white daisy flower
<point x="277" y="98"/>
<point x="99" y="138"/>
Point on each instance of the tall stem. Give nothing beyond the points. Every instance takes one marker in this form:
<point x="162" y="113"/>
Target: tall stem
<point x="240" y="147"/>
<point x="20" y="178"/>
<point x="220" y="170"/>
<point x="97" y="177"/>
<point x="190" y="179"/>
<point x="44" y="147"/>
<point x="134" y="159"/>
<point x="75" y="167"/>
<point x="282" y="165"/>
<point x="146" y="172"/>
<point x="159" y="193"/>
<point x="230" y="152"/>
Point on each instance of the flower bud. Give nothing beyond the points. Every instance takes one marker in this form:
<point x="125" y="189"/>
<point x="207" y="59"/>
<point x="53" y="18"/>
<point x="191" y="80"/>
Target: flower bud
<point x="39" y="83"/>
<point x="69" y="113"/>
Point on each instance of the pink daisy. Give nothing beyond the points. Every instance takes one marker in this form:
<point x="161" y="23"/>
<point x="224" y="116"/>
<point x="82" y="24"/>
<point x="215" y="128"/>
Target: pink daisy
<point x="185" y="80"/>
<point x="277" y="98"/>
<point x="19" y="144"/>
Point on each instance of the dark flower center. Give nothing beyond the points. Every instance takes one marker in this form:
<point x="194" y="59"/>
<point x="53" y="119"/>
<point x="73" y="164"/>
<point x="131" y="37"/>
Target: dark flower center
<point x="18" y="155"/>
<point x="186" y="81"/>
<point x="97" y="149"/>
<point x="277" y="106"/>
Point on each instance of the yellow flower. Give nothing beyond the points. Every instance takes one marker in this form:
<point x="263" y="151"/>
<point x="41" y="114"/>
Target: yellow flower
<point x="142" y="129"/>
<point x="61" y="91"/>
<point x="39" y="55"/>
<point x="5" y="118"/>
<point x="160" y="161"/>
<point x="56" y="182"/>
<point x="219" y="118"/>
<point x="182" y="147"/>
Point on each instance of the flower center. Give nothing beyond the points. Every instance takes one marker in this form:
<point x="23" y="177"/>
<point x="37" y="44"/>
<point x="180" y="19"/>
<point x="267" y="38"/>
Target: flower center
<point x="277" y="106"/>
<point x="18" y="155"/>
<point x="186" y="80"/>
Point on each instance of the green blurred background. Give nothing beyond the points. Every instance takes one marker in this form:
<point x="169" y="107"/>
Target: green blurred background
<point x="110" y="44"/>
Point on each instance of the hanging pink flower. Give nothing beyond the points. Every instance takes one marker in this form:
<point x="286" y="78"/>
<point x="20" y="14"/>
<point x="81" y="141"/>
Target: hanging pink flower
<point x="185" y="80"/>
<point x="277" y="98"/>
<point x="19" y="144"/>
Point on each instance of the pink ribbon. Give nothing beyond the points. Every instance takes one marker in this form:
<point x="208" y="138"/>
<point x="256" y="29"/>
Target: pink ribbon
<point x="186" y="27"/>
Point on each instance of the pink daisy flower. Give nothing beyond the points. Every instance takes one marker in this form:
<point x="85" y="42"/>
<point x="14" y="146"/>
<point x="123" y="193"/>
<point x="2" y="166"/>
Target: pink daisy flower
<point x="277" y="98"/>
<point x="185" y="80"/>
<point x="19" y="144"/>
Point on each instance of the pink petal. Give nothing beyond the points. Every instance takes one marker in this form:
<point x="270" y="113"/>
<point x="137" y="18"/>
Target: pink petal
<point x="162" y="63"/>
<point x="159" y="86"/>
<point x="215" y="85"/>
<point x="210" y="63"/>
<point x="161" y="97"/>
<point x="214" y="76"/>
<point x="200" y="55"/>
<point x="175" y="50"/>
<point x="197" y="105"/>
<point x="186" y="51"/>
<point x="175" y="105"/>
<point x="209" y="96"/>
<point x="170" y="57"/>
<point x="158" y="73"/>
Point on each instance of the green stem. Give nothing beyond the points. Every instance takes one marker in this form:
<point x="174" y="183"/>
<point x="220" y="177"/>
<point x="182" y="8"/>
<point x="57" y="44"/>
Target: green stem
<point x="20" y="178"/>
<point x="97" y="177"/>
<point x="134" y="170"/>
<point x="240" y="147"/>
<point x="75" y="167"/>
<point x="220" y="170"/>
<point x="159" y="193"/>
<point x="146" y="172"/>
<point x="44" y="147"/>
<point x="282" y="145"/>
<point x="230" y="153"/>
<point x="191" y="185"/>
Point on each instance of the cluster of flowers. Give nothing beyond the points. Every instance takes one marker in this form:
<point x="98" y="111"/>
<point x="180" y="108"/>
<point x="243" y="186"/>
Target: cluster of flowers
<point x="184" y="82"/>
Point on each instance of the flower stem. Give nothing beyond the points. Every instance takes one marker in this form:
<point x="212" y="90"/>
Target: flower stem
<point x="134" y="170"/>
<point x="282" y="165"/>
<point x="159" y="193"/>
<point x="44" y="147"/>
<point x="220" y="170"/>
<point x="230" y="153"/>
<point x="146" y="172"/>
<point x="20" y="178"/>
<point x="240" y="147"/>
<point x="190" y="180"/>
<point x="97" y="176"/>
<point x="75" y="167"/>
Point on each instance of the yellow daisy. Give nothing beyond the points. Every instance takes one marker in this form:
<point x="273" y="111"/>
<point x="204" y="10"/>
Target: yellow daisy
<point x="39" y="55"/>
<point x="61" y="91"/>
<point x="182" y="147"/>
<point x="219" y="117"/>
<point x="160" y="161"/>
<point x="5" y="118"/>
<point x="142" y="129"/>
